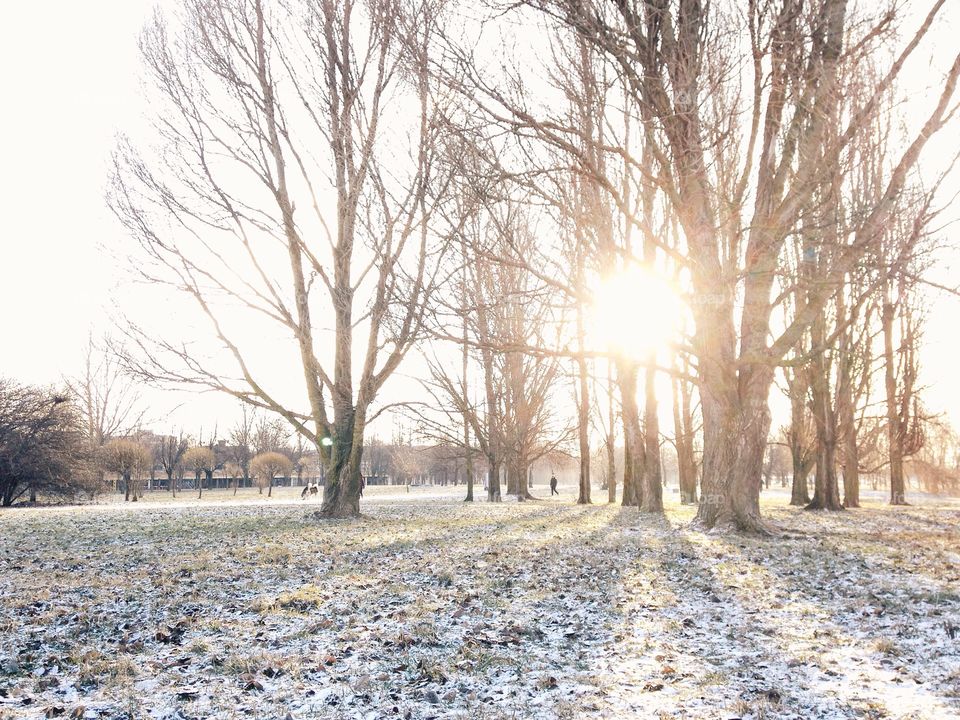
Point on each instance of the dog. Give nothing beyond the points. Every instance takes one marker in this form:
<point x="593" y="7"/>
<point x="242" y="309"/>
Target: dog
<point x="311" y="489"/>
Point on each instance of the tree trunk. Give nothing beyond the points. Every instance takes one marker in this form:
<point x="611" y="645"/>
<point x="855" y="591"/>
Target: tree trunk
<point x="493" y="431"/>
<point x="683" y="440"/>
<point x="610" y="444"/>
<point x="341" y="493"/>
<point x="735" y="369"/>
<point x="851" y="471"/>
<point x="632" y="437"/>
<point x="848" y="432"/>
<point x="683" y="436"/>
<point x="797" y="387"/>
<point x="469" y="478"/>
<point x="800" y="490"/>
<point x="583" y="422"/>
<point x="493" y="480"/>
<point x="514" y="480"/>
<point x="629" y="494"/>
<point x="894" y="430"/>
<point x="341" y="496"/>
<point x="678" y="442"/>
<point x="611" y="469"/>
<point x="735" y="430"/>
<point x="652" y="497"/>
<point x="464" y="367"/>
<point x="826" y="494"/>
<point x="526" y="476"/>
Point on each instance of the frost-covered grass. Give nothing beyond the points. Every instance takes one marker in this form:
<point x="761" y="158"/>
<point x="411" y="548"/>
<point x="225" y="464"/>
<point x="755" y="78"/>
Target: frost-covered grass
<point x="428" y="607"/>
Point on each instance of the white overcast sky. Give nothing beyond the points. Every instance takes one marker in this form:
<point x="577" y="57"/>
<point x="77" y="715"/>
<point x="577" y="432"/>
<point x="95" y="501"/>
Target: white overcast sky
<point x="70" y="81"/>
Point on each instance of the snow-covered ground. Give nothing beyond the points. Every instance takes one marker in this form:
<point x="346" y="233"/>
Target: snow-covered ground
<point x="432" y="608"/>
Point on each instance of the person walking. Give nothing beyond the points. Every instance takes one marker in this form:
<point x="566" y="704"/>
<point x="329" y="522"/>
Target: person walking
<point x="553" y="485"/>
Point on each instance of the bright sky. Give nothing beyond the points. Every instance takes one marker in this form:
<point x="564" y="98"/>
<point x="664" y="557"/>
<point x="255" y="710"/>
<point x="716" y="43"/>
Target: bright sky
<point x="71" y="82"/>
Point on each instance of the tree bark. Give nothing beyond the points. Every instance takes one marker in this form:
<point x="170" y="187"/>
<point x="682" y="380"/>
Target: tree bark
<point x="797" y="388"/>
<point x="583" y="399"/>
<point x="464" y="357"/>
<point x="652" y="497"/>
<point x="800" y="489"/>
<point x="341" y="494"/>
<point x="851" y="471"/>
<point x="493" y="480"/>
<point x="735" y="431"/>
<point x="633" y="460"/>
<point x="846" y="417"/>
<point x="683" y="441"/>
<point x="894" y="429"/>
<point x="826" y="494"/>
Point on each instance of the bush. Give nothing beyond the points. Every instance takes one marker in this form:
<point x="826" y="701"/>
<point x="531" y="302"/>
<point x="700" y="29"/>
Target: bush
<point x="42" y="448"/>
<point x="266" y="466"/>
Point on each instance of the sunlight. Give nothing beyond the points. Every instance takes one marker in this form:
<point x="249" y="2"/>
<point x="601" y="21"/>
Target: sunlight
<point x="634" y="312"/>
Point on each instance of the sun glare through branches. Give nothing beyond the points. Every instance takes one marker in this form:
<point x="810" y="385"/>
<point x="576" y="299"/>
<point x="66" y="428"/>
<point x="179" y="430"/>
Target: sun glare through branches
<point x="635" y="312"/>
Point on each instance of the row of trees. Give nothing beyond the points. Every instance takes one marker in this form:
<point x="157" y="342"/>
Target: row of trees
<point x="751" y="156"/>
<point x="135" y="462"/>
<point x="50" y="445"/>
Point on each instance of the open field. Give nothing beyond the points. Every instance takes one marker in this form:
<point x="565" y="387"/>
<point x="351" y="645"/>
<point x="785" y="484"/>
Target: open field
<point x="428" y="607"/>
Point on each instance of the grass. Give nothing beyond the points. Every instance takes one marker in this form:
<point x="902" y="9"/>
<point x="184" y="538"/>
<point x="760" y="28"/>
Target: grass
<point x="438" y="608"/>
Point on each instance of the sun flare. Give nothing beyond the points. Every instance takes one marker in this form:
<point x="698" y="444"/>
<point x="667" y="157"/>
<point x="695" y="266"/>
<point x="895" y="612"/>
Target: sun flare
<point x="635" y="312"/>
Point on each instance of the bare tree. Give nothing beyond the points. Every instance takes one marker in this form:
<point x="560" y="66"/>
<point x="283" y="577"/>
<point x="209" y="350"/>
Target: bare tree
<point x="298" y="453"/>
<point x="233" y="472"/>
<point x="904" y="417"/>
<point x="684" y="434"/>
<point x="269" y="436"/>
<point x="241" y="439"/>
<point x="607" y="427"/>
<point x="201" y="461"/>
<point x="169" y="453"/>
<point x="129" y="459"/>
<point x="264" y="108"/>
<point x="739" y="183"/>
<point x="108" y="401"/>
